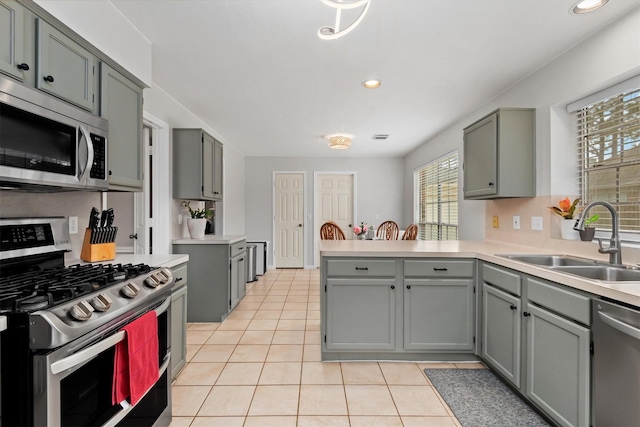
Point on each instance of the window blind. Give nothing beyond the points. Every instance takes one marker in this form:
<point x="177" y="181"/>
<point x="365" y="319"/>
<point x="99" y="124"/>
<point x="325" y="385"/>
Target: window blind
<point x="437" y="211"/>
<point x="609" y="156"/>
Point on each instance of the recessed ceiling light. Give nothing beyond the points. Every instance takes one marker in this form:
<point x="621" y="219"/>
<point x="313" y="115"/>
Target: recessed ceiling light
<point x="585" y="6"/>
<point x="372" y="84"/>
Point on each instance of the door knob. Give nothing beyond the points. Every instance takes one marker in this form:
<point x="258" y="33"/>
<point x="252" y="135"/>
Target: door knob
<point x="133" y="236"/>
<point x="48" y="79"/>
<point x="350" y="225"/>
<point x="299" y="225"/>
<point x="23" y="67"/>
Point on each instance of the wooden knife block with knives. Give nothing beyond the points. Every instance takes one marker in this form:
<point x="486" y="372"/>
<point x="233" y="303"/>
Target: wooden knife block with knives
<point x="100" y="237"/>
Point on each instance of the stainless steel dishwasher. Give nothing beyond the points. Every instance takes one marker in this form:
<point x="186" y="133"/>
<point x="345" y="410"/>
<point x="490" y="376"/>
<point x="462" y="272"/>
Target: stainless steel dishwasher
<point x="616" y="365"/>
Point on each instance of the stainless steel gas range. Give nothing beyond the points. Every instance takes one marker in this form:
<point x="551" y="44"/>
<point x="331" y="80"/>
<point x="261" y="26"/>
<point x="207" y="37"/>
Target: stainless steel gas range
<point x="63" y="323"/>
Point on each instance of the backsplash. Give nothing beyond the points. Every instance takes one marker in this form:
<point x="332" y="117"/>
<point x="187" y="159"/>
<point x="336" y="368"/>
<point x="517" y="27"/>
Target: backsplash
<point x="549" y="238"/>
<point x="73" y="203"/>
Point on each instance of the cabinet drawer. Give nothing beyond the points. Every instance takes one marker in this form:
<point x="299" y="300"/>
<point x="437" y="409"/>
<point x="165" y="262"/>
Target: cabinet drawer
<point x="179" y="275"/>
<point x="564" y="302"/>
<point x="361" y="268"/>
<point x="439" y="268"/>
<point x="503" y="279"/>
<point x="238" y="248"/>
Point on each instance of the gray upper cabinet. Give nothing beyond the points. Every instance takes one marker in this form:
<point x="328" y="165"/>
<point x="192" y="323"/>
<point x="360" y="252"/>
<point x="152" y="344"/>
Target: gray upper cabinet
<point x="12" y="60"/>
<point x="197" y="165"/>
<point x="121" y="104"/>
<point x="65" y="68"/>
<point x="499" y="155"/>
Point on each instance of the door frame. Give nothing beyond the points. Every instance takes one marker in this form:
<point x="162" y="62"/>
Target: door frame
<point x="316" y="175"/>
<point x="304" y="213"/>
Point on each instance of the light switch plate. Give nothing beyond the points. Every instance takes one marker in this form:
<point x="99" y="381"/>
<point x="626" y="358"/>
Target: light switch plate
<point x="495" y="221"/>
<point x="516" y="222"/>
<point x="536" y="223"/>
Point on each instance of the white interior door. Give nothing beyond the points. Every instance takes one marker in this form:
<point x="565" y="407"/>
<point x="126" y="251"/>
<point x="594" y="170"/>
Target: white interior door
<point x="334" y="202"/>
<point x="289" y="220"/>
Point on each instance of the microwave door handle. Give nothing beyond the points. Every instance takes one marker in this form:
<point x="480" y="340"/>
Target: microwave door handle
<point x="90" y="152"/>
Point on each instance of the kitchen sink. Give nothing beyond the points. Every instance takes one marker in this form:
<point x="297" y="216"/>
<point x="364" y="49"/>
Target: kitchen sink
<point x="553" y="260"/>
<point x="602" y="272"/>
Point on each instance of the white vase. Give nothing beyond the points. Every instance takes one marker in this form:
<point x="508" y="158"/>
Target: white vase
<point x="196" y="227"/>
<point x="566" y="230"/>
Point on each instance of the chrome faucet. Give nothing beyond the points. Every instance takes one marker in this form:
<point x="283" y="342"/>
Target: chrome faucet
<point x="614" y="249"/>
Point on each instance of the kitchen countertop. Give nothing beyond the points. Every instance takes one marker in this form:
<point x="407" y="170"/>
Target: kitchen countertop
<point x="211" y="239"/>
<point x="628" y="292"/>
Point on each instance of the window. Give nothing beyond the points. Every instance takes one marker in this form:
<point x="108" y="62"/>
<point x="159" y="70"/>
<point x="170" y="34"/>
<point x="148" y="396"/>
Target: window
<point x="437" y="210"/>
<point x="609" y="150"/>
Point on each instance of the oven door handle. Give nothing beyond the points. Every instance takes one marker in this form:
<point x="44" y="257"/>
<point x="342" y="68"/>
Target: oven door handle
<point x="90" y="352"/>
<point x="113" y="421"/>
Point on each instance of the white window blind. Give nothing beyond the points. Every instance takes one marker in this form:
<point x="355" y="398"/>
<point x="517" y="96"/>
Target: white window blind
<point x="609" y="155"/>
<point x="437" y="210"/>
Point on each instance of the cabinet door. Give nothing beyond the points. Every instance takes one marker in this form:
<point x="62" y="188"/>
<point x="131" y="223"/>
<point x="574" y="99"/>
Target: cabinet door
<point x="238" y="281"/>
<point x="12" y="39"/>
<point x="480" y="158"/>
<point x="208" y="175"/>
<point x="360" y="314"/>
<point x="438" y="314"/>
<point x="65" y="68"/>
<point x="501" y="334"/>
<point x="121" y="104"/>
<point x="217" y="171"/>
<point x="178" y="331"/>
<point x="558" y="367"/>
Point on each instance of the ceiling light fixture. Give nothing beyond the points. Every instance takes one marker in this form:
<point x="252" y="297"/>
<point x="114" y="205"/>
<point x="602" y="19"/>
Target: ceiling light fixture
<point x="372" y="84"/>
<point x="585" y="6"/>
<point x="329" y="33"/>
<point x="339" y="141"/>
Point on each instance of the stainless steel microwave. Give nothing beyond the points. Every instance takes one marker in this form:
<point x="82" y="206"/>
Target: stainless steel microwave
<point x="48" y="145"/>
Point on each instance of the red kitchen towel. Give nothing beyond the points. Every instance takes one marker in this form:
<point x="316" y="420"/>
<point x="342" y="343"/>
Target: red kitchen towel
<point x="136" y="365"/>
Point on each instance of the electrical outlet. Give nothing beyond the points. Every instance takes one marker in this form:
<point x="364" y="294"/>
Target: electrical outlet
<point x="516" y="222"/>
<point x="73" y="225"/>
<point x="377" y="217"/>
<point x="536" y="223"/>
<point x="179" y="218"/>
<point x="495" y="221"/>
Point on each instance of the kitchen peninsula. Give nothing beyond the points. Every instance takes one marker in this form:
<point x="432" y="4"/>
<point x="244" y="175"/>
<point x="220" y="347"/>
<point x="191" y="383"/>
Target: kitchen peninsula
<point x="216" y="275"/>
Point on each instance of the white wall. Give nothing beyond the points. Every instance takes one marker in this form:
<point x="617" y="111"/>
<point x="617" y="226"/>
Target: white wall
<point x="379" y="192"/>
<point x="607" y="57"/>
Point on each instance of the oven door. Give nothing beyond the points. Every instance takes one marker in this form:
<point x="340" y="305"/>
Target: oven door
<point x="73" y="386"/>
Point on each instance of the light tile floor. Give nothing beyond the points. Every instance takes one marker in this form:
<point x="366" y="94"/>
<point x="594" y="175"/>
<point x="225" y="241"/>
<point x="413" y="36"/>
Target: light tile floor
<point x="261" y="367"/>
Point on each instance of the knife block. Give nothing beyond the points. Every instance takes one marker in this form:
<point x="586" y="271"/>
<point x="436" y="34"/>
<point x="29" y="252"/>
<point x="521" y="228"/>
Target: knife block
<point x="97" y="251"/>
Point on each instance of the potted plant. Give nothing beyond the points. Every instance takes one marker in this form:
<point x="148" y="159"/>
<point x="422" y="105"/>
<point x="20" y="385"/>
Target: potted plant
<point x="567" y="210"/>
<point x="198" y="221"/>
<point x="589" y="231"/>
<point x="361" y="231"/>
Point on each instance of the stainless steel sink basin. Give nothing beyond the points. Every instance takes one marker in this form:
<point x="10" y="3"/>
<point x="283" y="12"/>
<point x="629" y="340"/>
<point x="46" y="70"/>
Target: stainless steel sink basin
<point x="602" y="272"/>
<point x="553" y="260"/>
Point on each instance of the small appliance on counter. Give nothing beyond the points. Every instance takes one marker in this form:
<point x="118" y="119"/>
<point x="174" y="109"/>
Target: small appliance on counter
<point x="100" y="237"/>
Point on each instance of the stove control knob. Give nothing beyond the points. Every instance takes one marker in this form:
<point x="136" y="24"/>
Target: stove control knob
<point x="130" y="290"/>
<point x="102" y="302"/>
<point x="164" y="275"/>
<point x="152" y="281"/>
<point x="81" y="311"/>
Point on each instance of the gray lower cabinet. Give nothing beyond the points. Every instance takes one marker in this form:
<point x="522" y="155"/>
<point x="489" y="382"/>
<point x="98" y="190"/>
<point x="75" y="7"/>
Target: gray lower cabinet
<point x="537" y="337"/>
<point x="501" y="334"/>
<point x="121" y="104"/>
<point x="361" y="314"/>
<point x="12" y="54"/>
<point x="178" y="320"/>
<point x="65" y="68"/>
<point x="215" y="273"/>
<point x="197" y="165"/>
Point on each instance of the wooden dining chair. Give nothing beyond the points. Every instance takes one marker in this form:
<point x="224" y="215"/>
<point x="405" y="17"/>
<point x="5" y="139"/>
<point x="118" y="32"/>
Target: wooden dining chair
<point x="331" y="231"/>
<point x="388" y="230"/>
<point x="411" y="233"/>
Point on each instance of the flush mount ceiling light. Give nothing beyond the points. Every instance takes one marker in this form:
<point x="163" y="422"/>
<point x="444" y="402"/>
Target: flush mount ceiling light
<point x="372" y="84"/>
<point x="585" y="6"/>
<point x="329" y="33"/>
<point x="339" y="141"/>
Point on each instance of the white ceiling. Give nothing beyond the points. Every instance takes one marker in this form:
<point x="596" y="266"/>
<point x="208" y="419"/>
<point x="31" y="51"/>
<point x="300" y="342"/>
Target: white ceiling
<point x="256" y="71"/>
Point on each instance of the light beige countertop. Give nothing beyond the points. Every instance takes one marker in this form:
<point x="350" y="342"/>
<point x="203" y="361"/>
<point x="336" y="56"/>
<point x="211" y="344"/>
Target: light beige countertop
<point x="211" y="239"/>
<point x="168" y="260"/>
<point x="628" y="292"/>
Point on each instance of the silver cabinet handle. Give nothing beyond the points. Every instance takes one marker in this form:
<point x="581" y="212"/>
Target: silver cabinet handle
<point x="90" y="151"/>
